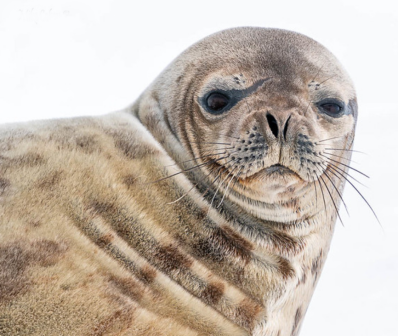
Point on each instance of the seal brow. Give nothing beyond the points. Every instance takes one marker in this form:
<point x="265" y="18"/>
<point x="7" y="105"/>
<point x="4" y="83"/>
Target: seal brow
<point x="243" y="93"/>
<point x="236" y="95"/>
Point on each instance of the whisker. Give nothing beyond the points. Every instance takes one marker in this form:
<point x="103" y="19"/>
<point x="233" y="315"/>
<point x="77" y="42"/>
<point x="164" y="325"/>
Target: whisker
<point x="185" y="194"/>
<point x="211" y="143"/>
<point x="185" y="170"/>
<point x="319" y="70"/>
<point x="215" y="180"/>
<point x="331" y="197"/>
<point x="229" y="136"/>
<point x="334" y="167"/>
<point x="328" y="139"/>
<point x="342" y="175"/>
<point x="341" y="157"/>
<point x="327" y="79"/>
<point x="337" y="190"/>
<point x="359" y="195"/>
<point x="316" y="194"/>
<point x="226" y="190"/>
<point x="195" y="158"/>
<point x="210" y="151"/>
<point x="345" y="165"/>
<point x="219" y="185"/>
<point x="236" y="179"/>
<point x="323" y="196"/>
<point x="341" y="149"/>
<point x="364" y="200"/>
<point x="308" y="106"/>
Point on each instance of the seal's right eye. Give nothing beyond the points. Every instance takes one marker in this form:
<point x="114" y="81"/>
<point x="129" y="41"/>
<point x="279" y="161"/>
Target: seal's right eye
<point x="332" y="107"/>
<point x="216" y="102"/>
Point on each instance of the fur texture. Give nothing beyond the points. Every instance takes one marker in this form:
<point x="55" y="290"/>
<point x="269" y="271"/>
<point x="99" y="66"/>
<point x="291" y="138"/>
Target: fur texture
<point x="165" y="219"/>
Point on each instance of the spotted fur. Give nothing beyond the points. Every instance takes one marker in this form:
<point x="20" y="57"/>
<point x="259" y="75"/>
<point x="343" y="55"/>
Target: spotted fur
<point x="165" y="220"/>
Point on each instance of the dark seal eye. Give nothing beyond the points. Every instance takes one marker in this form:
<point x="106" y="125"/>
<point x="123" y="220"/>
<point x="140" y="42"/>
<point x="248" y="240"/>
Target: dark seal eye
<point x="332" y="107"/>
<point x="216" y="102"/>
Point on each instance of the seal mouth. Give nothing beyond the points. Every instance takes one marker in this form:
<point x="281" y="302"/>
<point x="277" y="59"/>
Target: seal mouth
<point x="278" y="168"/>
<point x="275" y="171"/>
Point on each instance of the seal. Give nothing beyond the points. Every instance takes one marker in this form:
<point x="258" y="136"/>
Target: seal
<point x="205" y="208"/>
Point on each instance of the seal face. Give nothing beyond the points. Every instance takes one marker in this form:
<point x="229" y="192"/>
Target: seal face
<point x="205" y="208"/>
<point x="259" y="113"/>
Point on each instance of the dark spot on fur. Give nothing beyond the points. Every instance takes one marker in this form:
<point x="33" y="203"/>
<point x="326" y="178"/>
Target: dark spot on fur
<point x="291" y="189"/>
<point x="103" y="207"/>
<point x="31" y="160"/>
<point x="247" y="312"/>
<point x="26" y="160"/>
<point x="34" y="223"/>
<point x="122" y="317"/>
<point x="297" y="320"/>
<point x="129" y="180"/>
<point x="128" y="287"/>
<point x="220" y="244"/>
<point x="126" y="147"/>
<point x="46" y="252"/>
<point x="17" y="257"/>
<point x="204" y="248"/>
<point x="87" y="143"/>
<point x="230" y="245"/>
<point x="236" y="237"/>
<point x="316" y="266"/>
<point x="213" y="293"/>
<point x="66" y="287"/>
<point x="13" y="280"/>
<point x="152" y="121"/>
<point x="303" y="279"/>
<point x="170" y="258"/>
<point x="130" y="146"/>
<point x="285" y="268"/>
<point x="148" y="274"/>
<point x="51" y="180"/>
<point x="104" y="240"/>
<point x="4" y="184"/>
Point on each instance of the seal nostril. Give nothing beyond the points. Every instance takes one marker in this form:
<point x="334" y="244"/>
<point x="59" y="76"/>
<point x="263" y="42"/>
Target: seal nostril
<point x="273" y="125"/>
<point x="285" y="129"/>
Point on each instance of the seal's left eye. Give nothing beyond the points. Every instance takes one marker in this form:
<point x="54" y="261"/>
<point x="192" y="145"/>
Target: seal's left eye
<point x="216" y="102"/>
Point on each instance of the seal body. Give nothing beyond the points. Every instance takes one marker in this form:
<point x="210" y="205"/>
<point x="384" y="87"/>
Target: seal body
<point x="205" y="208"/>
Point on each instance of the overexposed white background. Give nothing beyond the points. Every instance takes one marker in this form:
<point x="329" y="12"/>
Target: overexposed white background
<point x="67" y="58"/>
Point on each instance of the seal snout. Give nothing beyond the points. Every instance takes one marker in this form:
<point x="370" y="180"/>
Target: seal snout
<point x="274" y="126"/>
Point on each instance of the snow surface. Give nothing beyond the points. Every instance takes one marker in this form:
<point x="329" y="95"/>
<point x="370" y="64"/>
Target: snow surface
<point x="67" y="58"/>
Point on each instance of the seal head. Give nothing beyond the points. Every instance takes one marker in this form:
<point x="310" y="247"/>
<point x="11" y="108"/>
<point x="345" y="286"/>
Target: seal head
<point x="262" y="113"/>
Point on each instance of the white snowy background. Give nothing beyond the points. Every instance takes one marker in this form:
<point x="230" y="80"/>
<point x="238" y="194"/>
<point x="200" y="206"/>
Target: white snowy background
<point x="68" y="58"/>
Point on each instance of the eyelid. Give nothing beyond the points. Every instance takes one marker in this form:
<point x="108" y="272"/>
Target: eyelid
<point x="332" y="101"/>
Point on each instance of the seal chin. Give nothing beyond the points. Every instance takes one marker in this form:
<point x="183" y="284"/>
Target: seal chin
<point x="275" y="184"/>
